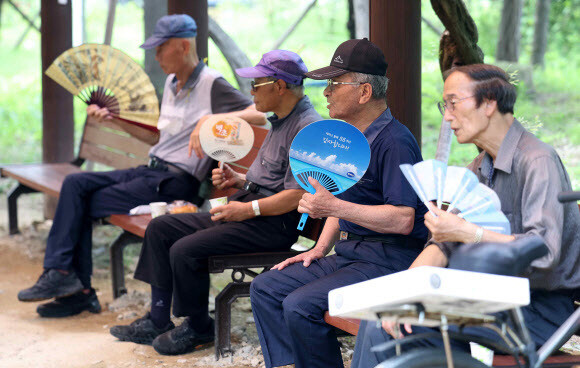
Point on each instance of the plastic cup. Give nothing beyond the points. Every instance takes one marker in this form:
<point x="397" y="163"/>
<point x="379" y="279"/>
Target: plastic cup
<point x="215" y="202"/>
<point x="481" y="353"/>
<point x="158" y="209"/>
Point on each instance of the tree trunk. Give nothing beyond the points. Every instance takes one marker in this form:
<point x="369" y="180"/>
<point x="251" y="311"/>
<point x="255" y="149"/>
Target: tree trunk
<point x="293" y="26"/>
<point x="459" y="43"/>
<point x="361" y="18"/>
<point x="153" y="10"/>
<point x="350" y="24"/>
<point x="508" y="44"/>
<point x="110" y="22"/>
<point x="541" y="32"/>
<point x="235" y="57"/>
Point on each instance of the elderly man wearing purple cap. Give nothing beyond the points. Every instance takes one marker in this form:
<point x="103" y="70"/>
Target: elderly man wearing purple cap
<point x="378" y="222"/>
<point x="260" y="217"/>
<point x="192" y="92"/>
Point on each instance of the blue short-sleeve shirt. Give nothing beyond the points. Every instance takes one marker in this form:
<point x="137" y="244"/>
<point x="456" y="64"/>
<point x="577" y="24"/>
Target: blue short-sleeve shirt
<point x="392" y="144"/>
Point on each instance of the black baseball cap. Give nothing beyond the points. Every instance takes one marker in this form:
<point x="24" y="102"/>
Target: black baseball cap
<point x="358" y="55"/>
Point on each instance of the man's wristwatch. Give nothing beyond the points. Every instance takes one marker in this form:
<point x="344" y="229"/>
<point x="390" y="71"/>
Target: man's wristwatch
<point x="256" y="207"/>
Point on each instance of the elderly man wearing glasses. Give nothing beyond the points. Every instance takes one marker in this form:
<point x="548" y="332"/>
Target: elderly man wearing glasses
<point x="527" y="175"/>
<point x="379" y="220"/>
<point x="260" y="217"/>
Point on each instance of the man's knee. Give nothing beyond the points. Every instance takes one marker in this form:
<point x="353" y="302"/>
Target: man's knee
<point x="258" y="287"/>
<point x="188" y="252"/>
<point x="293" y="306"/>
<point x="73" y="180"/>
<point x="158" y="225"/>
<point x="177" y="254"/>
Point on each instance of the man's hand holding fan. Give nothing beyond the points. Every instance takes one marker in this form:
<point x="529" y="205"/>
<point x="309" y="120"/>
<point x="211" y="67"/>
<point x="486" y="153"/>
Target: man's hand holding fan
<point x="331" y="154"/>
<point x="227" y="139"/>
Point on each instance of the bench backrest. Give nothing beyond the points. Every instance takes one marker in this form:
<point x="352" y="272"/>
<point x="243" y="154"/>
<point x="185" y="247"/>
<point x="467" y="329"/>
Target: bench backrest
<point x="106" y="143"/>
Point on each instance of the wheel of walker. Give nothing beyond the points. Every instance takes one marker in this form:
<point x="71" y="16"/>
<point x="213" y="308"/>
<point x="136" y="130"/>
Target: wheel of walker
<point x="432" y="358"/>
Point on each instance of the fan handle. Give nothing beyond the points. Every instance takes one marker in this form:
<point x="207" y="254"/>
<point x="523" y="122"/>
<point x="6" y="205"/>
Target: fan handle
<point x="302" y="221"/>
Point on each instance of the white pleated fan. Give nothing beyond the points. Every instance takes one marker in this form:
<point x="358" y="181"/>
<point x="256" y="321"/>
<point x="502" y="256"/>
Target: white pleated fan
<point x="459" y="188"/>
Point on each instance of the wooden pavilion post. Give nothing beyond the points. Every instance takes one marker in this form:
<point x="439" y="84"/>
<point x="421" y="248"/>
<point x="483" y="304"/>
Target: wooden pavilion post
<point x="197" y="9"/>
<point x="395" y="26"/>
<point x="57" y="103"/>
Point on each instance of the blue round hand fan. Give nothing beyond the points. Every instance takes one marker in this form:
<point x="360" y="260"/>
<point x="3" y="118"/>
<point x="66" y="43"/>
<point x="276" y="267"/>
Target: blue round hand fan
<point x="331" y="151"/>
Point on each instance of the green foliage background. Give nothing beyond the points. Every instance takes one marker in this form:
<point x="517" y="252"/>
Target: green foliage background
<point x="552" y="113"/>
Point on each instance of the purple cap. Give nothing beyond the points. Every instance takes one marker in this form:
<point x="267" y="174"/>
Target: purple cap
<point x="171" y="26"/>
<point x="281" y="64"/>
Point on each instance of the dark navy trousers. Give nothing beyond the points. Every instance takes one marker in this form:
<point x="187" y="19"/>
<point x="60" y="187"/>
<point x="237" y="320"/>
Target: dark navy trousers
<point x="175" y="251"/>
<point x="289" y="305"/>
<point x="546" y="312"/>
<point x="88" y="196"/>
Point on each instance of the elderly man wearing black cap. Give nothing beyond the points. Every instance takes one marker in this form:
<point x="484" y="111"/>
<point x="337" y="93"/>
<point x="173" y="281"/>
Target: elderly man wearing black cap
<point x="260" y="217"/>
<point x="192" y="91"/>
<point x="378" y="222"/>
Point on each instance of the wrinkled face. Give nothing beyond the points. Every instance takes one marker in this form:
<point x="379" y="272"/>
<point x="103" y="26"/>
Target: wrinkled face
<point x="266" y="97"/>
<point x="467" y="121"/>
<point x="343" y="99"/>
<point x="171" y="55"/>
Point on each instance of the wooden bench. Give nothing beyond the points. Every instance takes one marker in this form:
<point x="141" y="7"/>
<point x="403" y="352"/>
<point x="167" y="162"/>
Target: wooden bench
<point x="105" y="143"/>
<point x="134" y="226"/>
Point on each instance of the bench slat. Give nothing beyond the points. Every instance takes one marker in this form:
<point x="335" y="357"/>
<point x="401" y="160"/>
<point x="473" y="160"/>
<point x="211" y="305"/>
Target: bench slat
<point x="133" y="224"/>
<point x="122" y="143"/>
<point x="110" y="158"/>
<point x="567" y="360"/>
<point x="218" y="264"/>
<point x="46" y="178"/>
<point x="349" y="325"/>
<point x="117" y="125"/>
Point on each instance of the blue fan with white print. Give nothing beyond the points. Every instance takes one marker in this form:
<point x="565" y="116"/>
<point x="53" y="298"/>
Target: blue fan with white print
<point x="331" y="151"/>
<point x="460" y="189"/>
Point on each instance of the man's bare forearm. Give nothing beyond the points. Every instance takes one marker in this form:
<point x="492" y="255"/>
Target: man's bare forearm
<point x="328" y="236"/>
<point x="430" y="256"/>
<point x="386" y="219"/>
<point x="280" y="203"/>
<point x="249" y="114"/>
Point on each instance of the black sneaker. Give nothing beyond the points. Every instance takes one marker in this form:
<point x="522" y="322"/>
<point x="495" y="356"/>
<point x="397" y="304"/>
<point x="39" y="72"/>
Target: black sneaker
<point x="182" y="340"/>
<point x="141" y="331"/>
<point x="51" y="284"/>
<point x="70" y="305"/>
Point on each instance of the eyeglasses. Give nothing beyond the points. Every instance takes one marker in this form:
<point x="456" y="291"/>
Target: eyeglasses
<point x="450" y="105"/>
<point x="330" y="84"/>
<point x="255" y="86"/>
